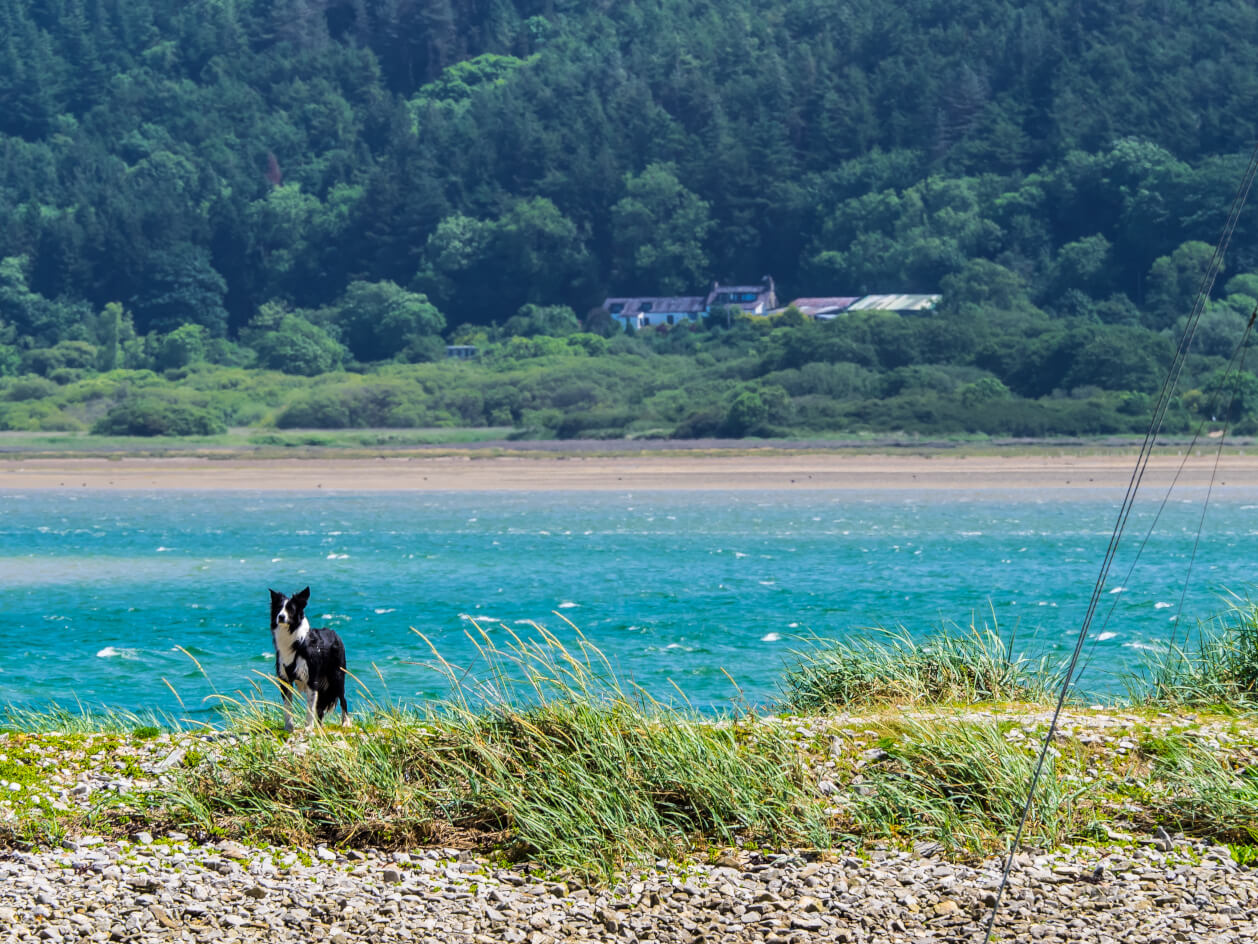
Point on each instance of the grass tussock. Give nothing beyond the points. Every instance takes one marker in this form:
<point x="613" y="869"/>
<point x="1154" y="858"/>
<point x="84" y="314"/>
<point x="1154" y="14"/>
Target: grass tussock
<point x="1195" y="789"/>
<point x="964" y="786"/>
<point x="547" y="756"/>
<point x="891" y="667"/>
<point x="83" y="720"/>
<point x="1221" y="671"/>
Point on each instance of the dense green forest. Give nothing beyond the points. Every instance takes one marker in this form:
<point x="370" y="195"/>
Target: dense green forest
<point x="254" y="212"/>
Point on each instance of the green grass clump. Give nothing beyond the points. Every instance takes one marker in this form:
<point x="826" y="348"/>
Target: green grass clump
<point x="965" y="786"/>
<point x="1196" y="791"/>
<point x="1220" y="672"/>
<point x="83" y="720"/>
<point x="548" y="757"/>
<point x="891" y="667"/>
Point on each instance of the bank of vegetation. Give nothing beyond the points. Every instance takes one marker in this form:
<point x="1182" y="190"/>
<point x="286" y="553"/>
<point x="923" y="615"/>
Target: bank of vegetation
<point x="541" y="754"/>
<point x="781" y="377"/>
<point x="279" y="212"/>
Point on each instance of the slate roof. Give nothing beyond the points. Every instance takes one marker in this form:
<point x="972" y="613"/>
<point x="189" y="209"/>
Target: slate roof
<point x="659" y="305"/>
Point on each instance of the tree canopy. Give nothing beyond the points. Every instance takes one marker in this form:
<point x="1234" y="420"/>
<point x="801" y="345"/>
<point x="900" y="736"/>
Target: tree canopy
<point x="340" y="183"/>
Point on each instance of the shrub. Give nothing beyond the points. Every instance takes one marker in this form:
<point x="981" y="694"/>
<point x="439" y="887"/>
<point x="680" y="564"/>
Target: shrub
<point x="299" y="347"/>
<point x="380" y="319"/>
<point x="604" y="423"/>
<point x="44" y="360"/>
<point x="66" y="375"/>
<point x="150" y="416"/>
<point x="387" y="403"/>
<point x="183" y="346"/>
<point x="36" y="416"/>
<point x="319" y="409"/>
<point x="59" y="421"/>
<point x="30" y="388"/>
<point x="702" y="423"/>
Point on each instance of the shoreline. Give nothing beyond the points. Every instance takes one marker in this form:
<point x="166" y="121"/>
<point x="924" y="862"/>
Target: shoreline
<point x="641" y="472"/>
<point x="170" y="889"/>
<point x="127" y="883"/>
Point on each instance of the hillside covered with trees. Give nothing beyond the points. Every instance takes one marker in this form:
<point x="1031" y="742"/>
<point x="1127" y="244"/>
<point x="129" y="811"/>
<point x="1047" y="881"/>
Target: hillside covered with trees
<point x="279" y="212"/>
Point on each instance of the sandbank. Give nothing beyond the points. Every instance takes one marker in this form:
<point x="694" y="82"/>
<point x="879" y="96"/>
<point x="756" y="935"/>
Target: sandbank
<point x="631" y="473"/>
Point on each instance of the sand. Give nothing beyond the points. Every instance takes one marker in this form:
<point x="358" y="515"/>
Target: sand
<point x="630" y="473"/>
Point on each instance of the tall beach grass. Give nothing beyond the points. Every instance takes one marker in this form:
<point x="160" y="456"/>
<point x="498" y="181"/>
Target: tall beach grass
<point x="890" y="666"/>
<point x="541" y="752"/>
<point x="964" y="787"/>
<point x="1196" y="790"/>
<point x="1219" y="670"/>
<point x="545" y="754"/>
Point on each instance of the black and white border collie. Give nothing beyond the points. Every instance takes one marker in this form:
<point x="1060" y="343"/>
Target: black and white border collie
<point x="308" y="660"/>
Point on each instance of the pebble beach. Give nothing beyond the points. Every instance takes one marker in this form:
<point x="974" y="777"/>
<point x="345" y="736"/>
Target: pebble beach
<point x="170" y="889"/>
<point x="163" y="885"/>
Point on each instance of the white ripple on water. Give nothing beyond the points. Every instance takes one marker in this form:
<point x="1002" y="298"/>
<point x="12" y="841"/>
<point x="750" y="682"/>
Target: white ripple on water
<point x="1147" y="646"/>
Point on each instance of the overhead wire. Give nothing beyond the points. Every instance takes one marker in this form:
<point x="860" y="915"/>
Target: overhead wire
<point x="1158" y="414"/>
<point x="1214" y="472"/>
<point x="1234" y="369"/>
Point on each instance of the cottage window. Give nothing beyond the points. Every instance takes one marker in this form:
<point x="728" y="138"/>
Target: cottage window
<point x="616" y="307"/>
<point x="646" y="306"/>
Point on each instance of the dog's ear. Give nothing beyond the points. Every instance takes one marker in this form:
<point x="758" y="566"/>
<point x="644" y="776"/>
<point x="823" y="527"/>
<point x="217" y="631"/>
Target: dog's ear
<point x="275" y="597"/>
<point x="302" y="598"/>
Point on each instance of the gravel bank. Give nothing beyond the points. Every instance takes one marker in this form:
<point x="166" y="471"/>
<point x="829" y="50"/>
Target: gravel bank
<point x="175" y="890"/>
<point x="170" y="887"/>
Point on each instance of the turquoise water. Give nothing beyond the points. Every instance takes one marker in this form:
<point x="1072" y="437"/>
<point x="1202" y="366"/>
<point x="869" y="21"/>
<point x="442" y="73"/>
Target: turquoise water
<point x="108" y="598"/>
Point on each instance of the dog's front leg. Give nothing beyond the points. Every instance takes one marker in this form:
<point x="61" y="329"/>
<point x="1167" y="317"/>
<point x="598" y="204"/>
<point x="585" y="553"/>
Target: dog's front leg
<point x="286" y="694"/>
<point x="312" y="714"/>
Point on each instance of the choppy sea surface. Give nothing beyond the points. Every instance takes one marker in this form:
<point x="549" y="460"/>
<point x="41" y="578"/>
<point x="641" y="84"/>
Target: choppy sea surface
<point x="157" y="601"/>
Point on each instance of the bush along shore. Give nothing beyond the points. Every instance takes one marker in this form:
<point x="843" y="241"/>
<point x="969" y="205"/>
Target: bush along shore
<point x="548" y="801"/>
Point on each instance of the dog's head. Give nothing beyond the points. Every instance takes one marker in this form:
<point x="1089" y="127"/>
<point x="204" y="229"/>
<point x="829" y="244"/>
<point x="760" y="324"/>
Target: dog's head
<point x="288" y="612"/>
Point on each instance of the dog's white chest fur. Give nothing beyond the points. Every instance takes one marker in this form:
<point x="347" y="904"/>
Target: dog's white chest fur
<point x="292" y="667"/>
